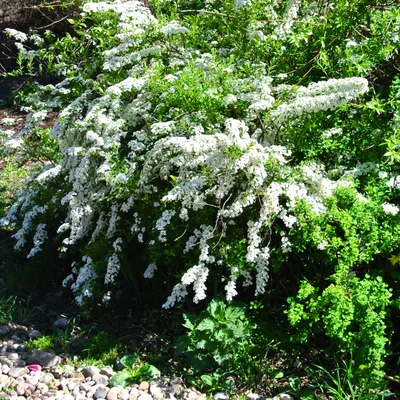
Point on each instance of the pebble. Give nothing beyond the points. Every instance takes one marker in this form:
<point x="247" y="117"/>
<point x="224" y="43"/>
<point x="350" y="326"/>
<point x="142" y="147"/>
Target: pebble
<point x="221" y="396"/>
<point x="89" y="372"/>
<point x="144" y="386"/>
<point x="61" y="324"/>
<point x="113" y="393"/>
<point x="99" y="394"/>
<point x="38" y="375"/>
<point x="16" y="372"/>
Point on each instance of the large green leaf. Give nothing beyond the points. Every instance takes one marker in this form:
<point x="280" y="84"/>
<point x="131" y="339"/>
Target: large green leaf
<point x="128" y="361"/>
<point x="147" y="371"/>
<point x="122" y="378"/>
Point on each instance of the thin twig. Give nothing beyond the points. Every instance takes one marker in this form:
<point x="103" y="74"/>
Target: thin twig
<point x="392" y="378"/>
<point x="203" y="12"/>
<point x="53" y="23"/>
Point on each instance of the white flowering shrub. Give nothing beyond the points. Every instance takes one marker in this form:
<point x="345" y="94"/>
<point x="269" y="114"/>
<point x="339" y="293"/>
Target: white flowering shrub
<point x="215" y="144"/>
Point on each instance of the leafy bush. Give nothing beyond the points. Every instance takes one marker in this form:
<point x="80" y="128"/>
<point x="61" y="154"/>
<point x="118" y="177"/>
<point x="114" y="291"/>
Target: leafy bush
<point x="219" y="336"/>
<point x="222" y="145"/>
<point x="134" y="372"/>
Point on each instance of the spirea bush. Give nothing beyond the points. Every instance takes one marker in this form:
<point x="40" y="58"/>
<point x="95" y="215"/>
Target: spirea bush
<point x="218" y="142"/>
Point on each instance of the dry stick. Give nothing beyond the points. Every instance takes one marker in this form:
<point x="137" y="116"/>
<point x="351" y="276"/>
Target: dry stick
<point x="203" y="12"/>
<point x="53" y="23"/>
<point x="392" y="378"/>
<point x="57" y="4"/>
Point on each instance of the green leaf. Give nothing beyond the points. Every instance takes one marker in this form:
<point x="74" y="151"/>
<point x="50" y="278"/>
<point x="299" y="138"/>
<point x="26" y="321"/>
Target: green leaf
<point x="189" y="321"/>
<point x="122" y="378"/>
<point x="147" y="371"/>
<point x="128" y="361"/>
<point x="279" y="375"/>
<point x="207" y="379"/>
<point x="206" y="325"/>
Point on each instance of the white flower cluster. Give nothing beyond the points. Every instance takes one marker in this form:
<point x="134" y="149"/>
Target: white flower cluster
<point x="321" y="96"/>
<point x="122" y="163"/>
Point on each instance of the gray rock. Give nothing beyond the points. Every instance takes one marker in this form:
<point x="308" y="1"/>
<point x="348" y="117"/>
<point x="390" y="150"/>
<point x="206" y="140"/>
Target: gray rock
<point x="159" y="391"/>
<point x="32" y="380"/>
<point x="47" y="378"/>
<point x="285" y="396"/>
<point x="252" y="396"/>
<point x="123" y="394"/>
<point x="42" y="387"/>
<point x="34" y="334"/>
<point x="107" y="371"/>
<point x="177" y="387"/>
<point x="114" y="392"/>
<point x="44" y="359"/>
<point x="100" y="379"/>
<point x="61" y="324"/>
<point x="221" y="396"/>
<point x="85" y="387"/>
<point x="13" y="356"/>
<point x="89" y="372"/>
<point x="4" y="330"/>
<point x="144" y="386"/>
<point x="68" y="397"/>
<point x="191" y="395"/>
<point x="144" y="396"/>
<point x="99" y="394"/>
<point x="16" y="372"/>
<point x="5" y="369"/>
<point x="20" y="389"/>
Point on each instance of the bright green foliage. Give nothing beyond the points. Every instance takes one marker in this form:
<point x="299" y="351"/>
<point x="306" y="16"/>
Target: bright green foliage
<point x="41" y="343"/>
<point x="352" y="311"/>
<point x="346" y="383"/>
<point x="134" y="372"/>
<point x="219" y="337"/>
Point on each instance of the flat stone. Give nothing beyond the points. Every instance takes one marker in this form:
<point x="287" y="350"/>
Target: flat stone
<point x="101" y="379"/>
<point x="16" y="372"/>
<point x="113" y="393"/>
<point x="47" y="378"/>
<point x="44" y="359"/>
<point x="221" y="396"/>
<point x="13" y="356"/>
<point x="144" y="386"/>
<point x="123" y="394"/>
<point x="99" y="394"/>
<point x="78" y="376"/>
<point x="144" y="396"/>
<point x="5" y="369"/>
<point x="90" y="371"/>
<point x="252" y="396"/>
<point x="285" y="396"/>
<point x="68" y="397"/>
<point x="42" y="387"/>
<point x="107" y="371"/>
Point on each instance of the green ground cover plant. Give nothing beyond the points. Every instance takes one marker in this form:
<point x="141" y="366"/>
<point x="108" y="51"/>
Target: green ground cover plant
<point x="223" y="148"/>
